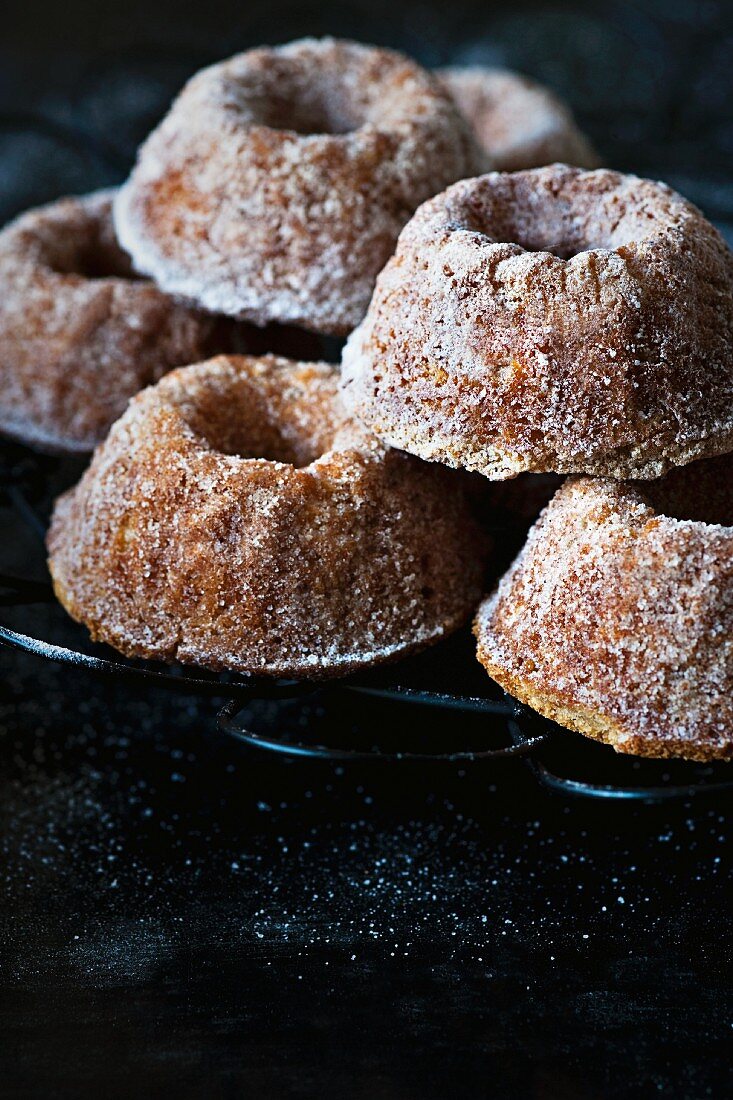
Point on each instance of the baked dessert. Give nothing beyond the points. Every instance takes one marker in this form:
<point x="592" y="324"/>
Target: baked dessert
<point x="553" y="320"/>
<point x="517" y="122"/>
<point x="79" y="334"/>
<point x="234" y="518"/>
<point x="277" y="185"/>
<point x="616" y="620"/>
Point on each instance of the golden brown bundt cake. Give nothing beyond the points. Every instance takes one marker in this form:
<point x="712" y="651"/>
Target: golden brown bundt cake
<point x="276" y="187"/>
<point x="616" y="620"/>
<point x="551" y="321"/>
<point x="79" y="335"/>
<point x="517" y="122"/>
<point x="235" y="518"/>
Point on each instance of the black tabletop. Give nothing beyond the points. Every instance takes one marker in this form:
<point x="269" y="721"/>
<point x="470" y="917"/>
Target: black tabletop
<point x="184" y="915"/>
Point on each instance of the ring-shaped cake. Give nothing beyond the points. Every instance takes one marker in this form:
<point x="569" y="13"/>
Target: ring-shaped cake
<point x="277" y="185"/>
<point x="517" y="122"/>
<point x="552" y="320"/>
<point x="616" y="619"/>
<point x="235" y="518"/>
<point x="79" y="333"/>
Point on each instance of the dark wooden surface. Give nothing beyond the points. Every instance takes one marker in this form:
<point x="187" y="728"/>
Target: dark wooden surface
<point x="183" y="917"/>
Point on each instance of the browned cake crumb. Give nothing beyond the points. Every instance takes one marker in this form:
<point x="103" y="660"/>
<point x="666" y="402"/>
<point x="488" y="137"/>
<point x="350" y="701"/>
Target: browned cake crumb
<point x="551" y="321"/>
<point x="517" y="122"/>
<point x="79" y="334"/>
<point x="276" y="187"/>
<point x="616" y="620"/>
<point x="235" y="518"/>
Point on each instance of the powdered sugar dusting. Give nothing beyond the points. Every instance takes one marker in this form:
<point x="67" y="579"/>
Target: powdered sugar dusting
<point x="276" y="187"/>
<point x="552" y="321"/>
<point x="235" y="518"/>
<point x="617" y="618"/>
<point x="517" y="122"/>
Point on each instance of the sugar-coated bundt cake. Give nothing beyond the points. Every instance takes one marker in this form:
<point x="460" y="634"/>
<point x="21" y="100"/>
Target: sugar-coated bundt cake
<point x="517" y="122"/>
<point x="234" y="518"/>
<point x="553" y="320"/>
<point x="79" y="335"/>
<point x="276" y="187"/>
<point x="616" y="620"/>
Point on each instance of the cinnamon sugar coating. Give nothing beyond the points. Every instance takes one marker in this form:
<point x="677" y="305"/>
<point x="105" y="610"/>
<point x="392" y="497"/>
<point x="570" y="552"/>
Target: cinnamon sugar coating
<point x="235" y="518"/>
<point x="616" y="620"/>
<point x="79" y="334"/>
<point x="553" y="320"/>
<point x="517" y="122"/>
<point x="276" y="187"/>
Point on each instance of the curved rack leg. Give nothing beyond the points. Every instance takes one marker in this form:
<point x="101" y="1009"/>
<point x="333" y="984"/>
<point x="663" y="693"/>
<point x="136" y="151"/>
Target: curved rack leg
<point x="228" y="724"/>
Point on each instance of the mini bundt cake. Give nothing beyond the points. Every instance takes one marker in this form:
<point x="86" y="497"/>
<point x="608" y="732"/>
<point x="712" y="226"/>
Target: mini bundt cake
<point x="234" y="518"/>
<point x="553" y="320"/>
<point x="616" y="620"/>
<point x="79" y="335"/>
<point x="276" y="187"/>
<point x="517" y="122"/>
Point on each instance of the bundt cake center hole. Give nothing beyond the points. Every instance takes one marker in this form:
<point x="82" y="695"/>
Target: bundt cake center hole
<point x="311" y="119"/>
<point x="249" y="424"/>
<point x="560" y="240"/>
<point x="96" y="257"/>
<point x="98" y="263"/>
<point x="552" y="225"/>
<point x="265" y="441"/>
<point x="562" y="253"/>
<point x="306" y="110"/>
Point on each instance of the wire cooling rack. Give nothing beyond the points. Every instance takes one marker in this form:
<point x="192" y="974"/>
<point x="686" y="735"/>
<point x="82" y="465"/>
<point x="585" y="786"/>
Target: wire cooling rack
<point x="479" y="726"/>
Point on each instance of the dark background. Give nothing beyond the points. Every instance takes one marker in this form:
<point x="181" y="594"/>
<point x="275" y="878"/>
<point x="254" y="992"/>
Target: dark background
<point x="184" y="917"/>
<point x="650" y="81"/>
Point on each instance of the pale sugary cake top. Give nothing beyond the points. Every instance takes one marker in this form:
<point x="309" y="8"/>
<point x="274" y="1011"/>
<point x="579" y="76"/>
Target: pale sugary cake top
<point x="277" y="185"/>
<point x="552" y="320"/>
<point x="517" y="122"/>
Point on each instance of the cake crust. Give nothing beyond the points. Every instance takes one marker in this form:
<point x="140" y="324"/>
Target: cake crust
<point x="553" y="320"/>
<point x="79" y="334"/>
<point x="277" y="185"/>
<point x="235" y="518"/>
<point x="616" y="619"/>
<point x="517" y="122"/>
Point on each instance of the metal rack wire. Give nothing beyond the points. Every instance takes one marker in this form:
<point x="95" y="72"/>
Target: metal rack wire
<point x="447" y="680"/>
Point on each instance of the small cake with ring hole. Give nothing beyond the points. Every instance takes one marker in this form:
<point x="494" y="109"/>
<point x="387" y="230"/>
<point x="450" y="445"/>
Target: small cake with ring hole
<point x="79" y="333"/>
<point x="235" y="518"/>
<point x="551" y="321"/>
<point x="277" y="185"/>
<point x="517" y="122"/>
<point x="616" y="619"/>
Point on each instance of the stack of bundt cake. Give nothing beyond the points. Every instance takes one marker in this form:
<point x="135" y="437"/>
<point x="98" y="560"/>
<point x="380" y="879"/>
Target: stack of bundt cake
<point x="505" y="315"/>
